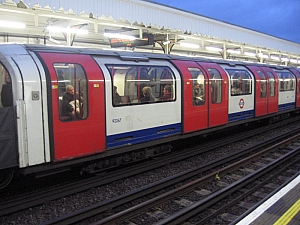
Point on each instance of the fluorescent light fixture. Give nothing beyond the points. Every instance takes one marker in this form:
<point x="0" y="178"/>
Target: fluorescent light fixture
<point x="294" y="61"/>
<point x="215" y="49"/>
<point x="233" y="51"/>
<point x="11" y="24"/>
<point x="261" y="55"/>
<point x="275" y="57"/>
<point x="67" y="30"/>
<point x="250" y="54"/>
<point x="189" y="45"/>
<point x="284" y="59"/>
<point x="121" y="36"/>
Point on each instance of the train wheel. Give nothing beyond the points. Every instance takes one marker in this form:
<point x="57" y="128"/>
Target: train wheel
<point x="5" y="178"/>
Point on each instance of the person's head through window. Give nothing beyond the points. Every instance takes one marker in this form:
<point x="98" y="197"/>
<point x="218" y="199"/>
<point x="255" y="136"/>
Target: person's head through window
<point x="70" y="89"/>
<point x="146" y="91"/>
<point x="7" y="78"/>
<point x="167" y="90"/>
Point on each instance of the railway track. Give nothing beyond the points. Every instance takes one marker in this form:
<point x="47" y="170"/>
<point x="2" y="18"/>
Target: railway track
<point x="207" y="199"/>
<point x="29" y="201"/>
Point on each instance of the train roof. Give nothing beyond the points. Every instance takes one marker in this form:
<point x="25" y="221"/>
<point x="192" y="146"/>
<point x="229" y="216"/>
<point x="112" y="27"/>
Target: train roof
<point x="133" y="56"/>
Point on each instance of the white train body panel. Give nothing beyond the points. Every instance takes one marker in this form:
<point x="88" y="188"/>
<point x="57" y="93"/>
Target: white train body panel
<point x="130" y="121"/>
<point x="29" y="107"/>
<point x="287" y="89"/>
<point x="243" y="103"/>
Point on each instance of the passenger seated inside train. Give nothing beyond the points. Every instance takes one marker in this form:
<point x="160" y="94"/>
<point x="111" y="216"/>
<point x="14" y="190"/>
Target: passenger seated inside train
<point x="168" y="93"/>
<point x="116" y="97"/>
<point x="198" y="94"/>
<point x="6" y="92"/>
<point x="235" y="90"/>
<point x="147" y="95"/>
<point x="70" y="108"/>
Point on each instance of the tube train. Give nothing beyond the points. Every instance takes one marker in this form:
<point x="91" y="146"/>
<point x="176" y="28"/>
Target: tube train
<point x="123" y="104"/>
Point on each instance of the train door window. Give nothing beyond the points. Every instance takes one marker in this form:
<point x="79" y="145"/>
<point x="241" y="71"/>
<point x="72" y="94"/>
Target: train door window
<point x="240" y="81"/>
<point x="272" y="84"/>
<point x="286" y="81"/>
<point x="198" y="82"/>
<point x="262" y="84"/>
<point x="6" y="88"/>
<point x="141" y="84"/>
<point x="72" y="91"/>
<point x="216" y="86"/>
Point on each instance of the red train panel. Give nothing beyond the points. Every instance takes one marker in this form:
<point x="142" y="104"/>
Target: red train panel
<point x="261" y="94"/>
<point x="195" y="116"/>
<point x="86" y="135"/>
<point x="272" y="104"/>
<point x="217" y="93"/>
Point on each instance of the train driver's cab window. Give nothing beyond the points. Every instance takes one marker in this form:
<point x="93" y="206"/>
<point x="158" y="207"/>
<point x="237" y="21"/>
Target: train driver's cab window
<point x="216" y="86"/>
<point x="6" y="88"/>
<point x="132" y="85"/>
<point x="286" y="81"/>
<point x="198" y="85"/>
<point x="262" y="84"/>
<point x="240" y="81"/>
<point x="72" y="91"/>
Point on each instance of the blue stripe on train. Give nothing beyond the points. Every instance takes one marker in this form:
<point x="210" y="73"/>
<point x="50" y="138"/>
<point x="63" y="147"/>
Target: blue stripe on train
<point x="240" y="115"/>
<point x="135" y="137"/>
<point x="291" y="105"/>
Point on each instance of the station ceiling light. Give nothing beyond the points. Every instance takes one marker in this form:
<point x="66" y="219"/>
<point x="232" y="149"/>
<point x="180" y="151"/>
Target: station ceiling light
<point x="11" y="24"/>
<point x="67" y="30"/>
<point x="283" y="59"/>
<point x="121" y="36"/>
<point x="234" y="51"/>
<point x="215" y="49"/>
<point x="252" y="54"/>
<point x="275" y="57"/>
<point x="189" y="45"/>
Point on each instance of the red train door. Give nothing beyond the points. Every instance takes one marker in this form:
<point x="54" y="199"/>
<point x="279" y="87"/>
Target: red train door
<point x="297" y="74"/>
<point x="272" y="89"/>
<point x="195" y="104"/>
<point x="78" y="129"/>
<point x="217" y="93"/>
<point x="261" y="93"/>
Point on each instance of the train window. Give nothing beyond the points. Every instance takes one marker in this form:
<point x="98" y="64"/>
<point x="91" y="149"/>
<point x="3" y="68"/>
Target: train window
<point x="72" y="91"/>
<point x="272" y="84"/>
<point x="240" y="81"/>
<point x="262" y="84"/>
<point x="198" y="81"/>
<point x="286" y="81"/>
<point x="6" y="89"/>
<point x="216" y="86"/>
<point x="141" y="84"/>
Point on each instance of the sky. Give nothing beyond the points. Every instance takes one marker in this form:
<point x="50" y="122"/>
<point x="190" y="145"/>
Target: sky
<point x="279" y="18"/>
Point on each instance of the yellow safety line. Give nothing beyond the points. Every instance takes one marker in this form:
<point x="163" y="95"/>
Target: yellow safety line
<point x="289" y="215"/>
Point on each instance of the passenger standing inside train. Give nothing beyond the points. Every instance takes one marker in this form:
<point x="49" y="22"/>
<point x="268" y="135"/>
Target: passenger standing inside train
<point x="168" y="93"/>
<point x="147" y="92"/>
<point x="61" y="83"/>
<point x="6" y="92"/>
<point x="116" y="98"/>
<point x="68" y="109"/>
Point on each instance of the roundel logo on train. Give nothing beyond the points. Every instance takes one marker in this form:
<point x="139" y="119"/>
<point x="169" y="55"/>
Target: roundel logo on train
<point x="241" y="103"/>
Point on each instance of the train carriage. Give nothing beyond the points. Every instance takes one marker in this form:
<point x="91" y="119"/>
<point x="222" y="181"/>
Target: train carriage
<point x="123" y="104"/>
